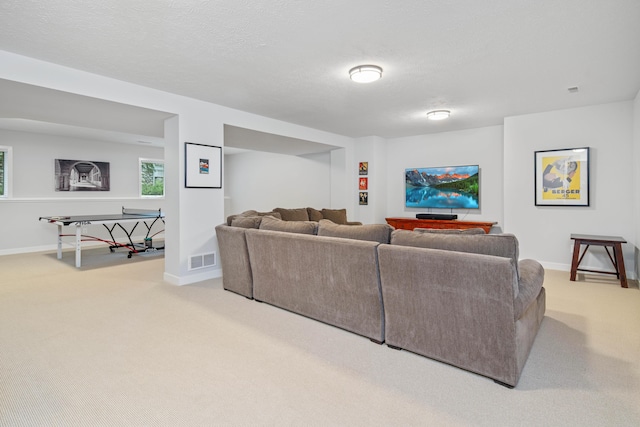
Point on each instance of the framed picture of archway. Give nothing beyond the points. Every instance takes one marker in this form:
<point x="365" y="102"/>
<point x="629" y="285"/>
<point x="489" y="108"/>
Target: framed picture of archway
<point x="81" y="175"/>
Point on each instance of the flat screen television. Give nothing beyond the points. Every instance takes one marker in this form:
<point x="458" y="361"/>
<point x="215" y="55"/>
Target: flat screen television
<point x="449" y="187"/>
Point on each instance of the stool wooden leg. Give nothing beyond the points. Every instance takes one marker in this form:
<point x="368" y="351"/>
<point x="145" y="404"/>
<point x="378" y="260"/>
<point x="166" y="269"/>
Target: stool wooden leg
<point x="617" y="253"/>
<point x="574" y="261"/>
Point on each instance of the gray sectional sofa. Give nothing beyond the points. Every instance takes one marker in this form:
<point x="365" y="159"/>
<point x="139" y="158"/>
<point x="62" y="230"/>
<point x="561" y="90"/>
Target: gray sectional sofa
<point x="335" y="280"/>
<point x="461" y="298"/>
<point x="232" y="243"/>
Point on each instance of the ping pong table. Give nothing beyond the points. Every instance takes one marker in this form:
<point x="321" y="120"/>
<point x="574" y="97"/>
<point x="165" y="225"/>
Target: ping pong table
<point x="128" y="216"/>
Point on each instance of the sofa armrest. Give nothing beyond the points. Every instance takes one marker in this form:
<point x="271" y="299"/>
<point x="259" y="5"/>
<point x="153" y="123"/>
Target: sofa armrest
<point x="353" y="223"/>
<point x="234" y="259"/>
<point x="529" y="285"/>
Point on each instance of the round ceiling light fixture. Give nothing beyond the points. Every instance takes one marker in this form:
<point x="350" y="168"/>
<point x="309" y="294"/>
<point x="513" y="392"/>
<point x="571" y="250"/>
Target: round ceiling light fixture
<point x="365" y="73"/>
<point x="438" y="114"/>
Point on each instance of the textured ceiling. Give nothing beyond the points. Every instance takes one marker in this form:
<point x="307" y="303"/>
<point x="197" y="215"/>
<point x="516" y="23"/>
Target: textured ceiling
<point x="288" y="59"/>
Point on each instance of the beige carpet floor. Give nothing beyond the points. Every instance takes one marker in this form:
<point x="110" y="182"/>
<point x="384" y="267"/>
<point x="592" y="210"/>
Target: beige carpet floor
<point x="111" y="344"/>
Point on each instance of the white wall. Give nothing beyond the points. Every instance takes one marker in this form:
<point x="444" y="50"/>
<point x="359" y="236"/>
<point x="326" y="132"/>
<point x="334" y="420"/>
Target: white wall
<point x="374" y="151"/>
<point x="544" y="232"/>
<point x="482" y="146"/>
<point x="506" y="167"/>
<point x="191" y="213"/>
<point x="34" y="192"/>
<point x="263" y="181"/>
<point x="34" y="155"/>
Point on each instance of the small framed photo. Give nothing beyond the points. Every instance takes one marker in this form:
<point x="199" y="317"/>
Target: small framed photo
<point x="203" y="166"/>
<point x="363" y="168"/>
<point x="363" y="183"/>
<point x="562" y="177"/>
<point x="364" y="198"/>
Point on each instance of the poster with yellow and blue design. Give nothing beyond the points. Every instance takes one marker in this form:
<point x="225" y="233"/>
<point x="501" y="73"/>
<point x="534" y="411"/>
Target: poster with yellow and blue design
<point x="562" y="177"/>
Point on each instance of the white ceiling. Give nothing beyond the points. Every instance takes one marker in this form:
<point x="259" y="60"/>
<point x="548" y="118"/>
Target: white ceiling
<point x="241" y="139"/>
<point x="288" y="59"/>
<point x="36" y="109"/>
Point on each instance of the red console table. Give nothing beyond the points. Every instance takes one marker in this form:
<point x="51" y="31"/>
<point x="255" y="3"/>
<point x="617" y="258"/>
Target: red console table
<point x="614" y="242"/>
<point x="411" y="223"/>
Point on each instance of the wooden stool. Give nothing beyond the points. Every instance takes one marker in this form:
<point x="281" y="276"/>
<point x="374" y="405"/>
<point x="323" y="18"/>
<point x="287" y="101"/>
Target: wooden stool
<point x="614" y="242"/>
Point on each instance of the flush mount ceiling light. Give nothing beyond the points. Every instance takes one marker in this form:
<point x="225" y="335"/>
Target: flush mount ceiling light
<point x="438" y="114"/>
<point x="365" y="73"/>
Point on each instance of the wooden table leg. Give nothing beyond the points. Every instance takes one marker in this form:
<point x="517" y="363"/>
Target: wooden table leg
<point x="617" y="253"/>
<point x="574" y="261"/>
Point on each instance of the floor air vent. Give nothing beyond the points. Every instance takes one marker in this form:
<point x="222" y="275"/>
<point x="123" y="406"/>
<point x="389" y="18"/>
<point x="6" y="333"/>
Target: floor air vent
<point x="202" y="261"/>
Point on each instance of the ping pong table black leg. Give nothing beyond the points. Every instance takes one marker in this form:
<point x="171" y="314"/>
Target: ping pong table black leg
<point x="127" y="233"/>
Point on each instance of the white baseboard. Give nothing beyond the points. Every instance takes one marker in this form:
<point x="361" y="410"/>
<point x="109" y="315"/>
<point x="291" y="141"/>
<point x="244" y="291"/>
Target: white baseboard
<point x="631" y="275"/>
<point x="47" y="248"/>
<point x="192" y="278"/>
<point x="67" y="245"/>
<point x="556" y="266"/>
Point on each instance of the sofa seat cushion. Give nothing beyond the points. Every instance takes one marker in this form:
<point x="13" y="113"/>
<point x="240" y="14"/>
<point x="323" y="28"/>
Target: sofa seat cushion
<point x="380" y="233"/>
<point x="339" y="216"/>
<point x="300" y="227"/>
<point x="299" y="214"/>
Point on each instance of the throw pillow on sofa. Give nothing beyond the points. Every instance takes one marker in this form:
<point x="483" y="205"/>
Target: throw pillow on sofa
<point x="314" y="214"/>
<point x="230" y="218"/>
<point x="373" y="232"/>
<point x="251" y="213"/>
<point x="339" y="216"/>
<point x="301" y="227"/>
<point x="246" y="221"/>
<point x="299" y="214"/>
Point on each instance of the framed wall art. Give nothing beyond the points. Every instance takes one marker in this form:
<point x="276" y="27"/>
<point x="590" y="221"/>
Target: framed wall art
<point x="363" y="168"/>
<point x="363" y="198"/>
<point x="203" y="166"/>
<point x="81" y="175"/>
<point x="363" y="183"/>
<point x="562" y="177"/>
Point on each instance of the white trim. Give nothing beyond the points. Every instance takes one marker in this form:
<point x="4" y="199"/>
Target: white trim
<point x="8" y="172"/>
<point x="631" y="275"/>
<point x="44" y="248"/>
<point x="194" y="278"/>
<point x="148" y="160"/>
<point x="70" y="199"/>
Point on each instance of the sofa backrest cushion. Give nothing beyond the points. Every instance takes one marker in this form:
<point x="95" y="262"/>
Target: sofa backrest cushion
<point x="300" y="227"/>
<point x="332" y="280"/>
<point x="299" y="214"/>
<point x="380" y="233"/>
<point x="339" y="216"/>
<point x="502" y="245"/>
<point x="314" y="214"/>
<point x="450" y="231"/>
